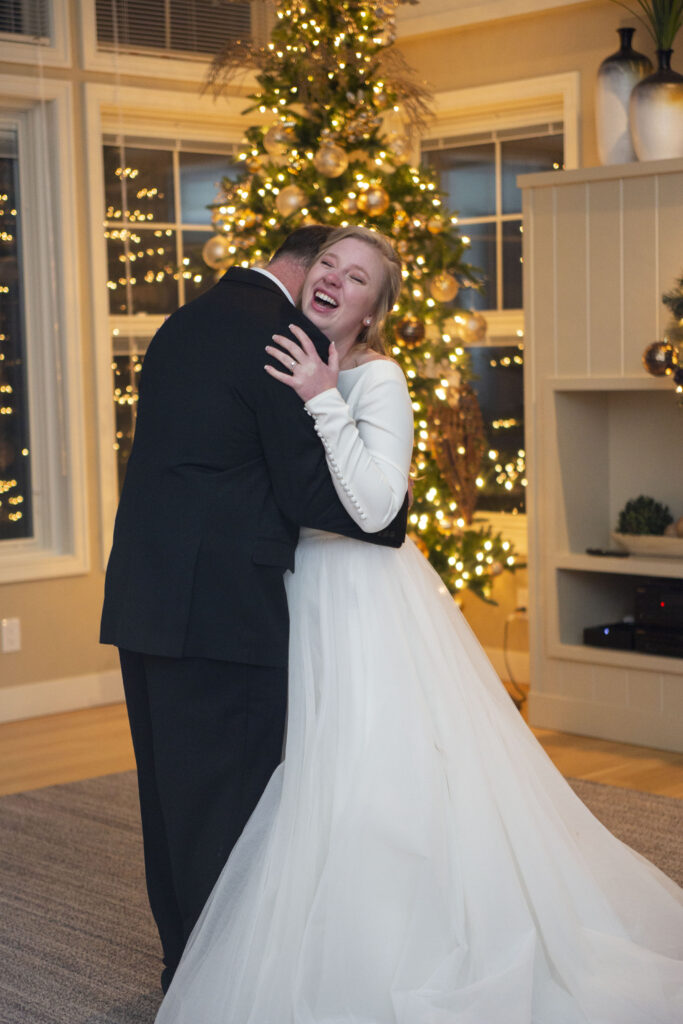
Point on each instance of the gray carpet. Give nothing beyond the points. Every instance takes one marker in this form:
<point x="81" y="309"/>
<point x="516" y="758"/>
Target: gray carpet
<point x="77" y="942"/>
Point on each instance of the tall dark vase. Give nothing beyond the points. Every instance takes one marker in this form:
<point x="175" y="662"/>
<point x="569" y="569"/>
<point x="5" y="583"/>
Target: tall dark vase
<point x="656" y="113"/>
<point x="617" y="76"/>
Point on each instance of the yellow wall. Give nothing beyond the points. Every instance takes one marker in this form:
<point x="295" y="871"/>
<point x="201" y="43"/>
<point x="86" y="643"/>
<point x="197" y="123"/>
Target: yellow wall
<point x="574" y="38"/>
<point x="60" y="617"/>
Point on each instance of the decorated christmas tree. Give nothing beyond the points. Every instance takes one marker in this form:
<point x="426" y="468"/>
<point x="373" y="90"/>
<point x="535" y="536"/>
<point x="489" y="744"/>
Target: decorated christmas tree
<point x="336" y="117"/>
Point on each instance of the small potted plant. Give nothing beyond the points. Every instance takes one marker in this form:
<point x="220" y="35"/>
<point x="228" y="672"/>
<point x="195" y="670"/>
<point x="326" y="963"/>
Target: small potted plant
<point x="646" y="527"/>
<point x="656" y="106"/>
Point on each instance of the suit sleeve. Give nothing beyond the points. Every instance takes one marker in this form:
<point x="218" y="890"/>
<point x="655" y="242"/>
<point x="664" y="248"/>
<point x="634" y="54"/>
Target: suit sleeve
<point x="368" y="457"/>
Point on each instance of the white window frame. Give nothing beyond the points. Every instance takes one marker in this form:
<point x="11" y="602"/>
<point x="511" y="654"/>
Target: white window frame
<point x="52" y="53"/>
<point x="149" y="65"/>
<point x="154" y="114"/>
<point x="42" y="112"/>
<point x="516" y="104"/>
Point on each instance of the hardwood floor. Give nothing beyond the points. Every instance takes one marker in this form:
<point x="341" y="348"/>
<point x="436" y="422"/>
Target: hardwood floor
<point x="83" y="744"/>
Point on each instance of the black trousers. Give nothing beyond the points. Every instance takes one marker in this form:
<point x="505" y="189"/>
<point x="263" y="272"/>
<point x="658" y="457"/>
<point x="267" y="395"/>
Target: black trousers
<point x="207" y="737"/>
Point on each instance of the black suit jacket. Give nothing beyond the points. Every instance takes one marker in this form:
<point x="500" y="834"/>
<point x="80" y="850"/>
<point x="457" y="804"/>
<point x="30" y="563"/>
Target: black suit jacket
<point x="225" y="468"/>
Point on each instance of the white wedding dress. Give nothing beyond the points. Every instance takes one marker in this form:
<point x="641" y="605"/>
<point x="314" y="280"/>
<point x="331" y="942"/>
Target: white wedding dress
<point x="416" y="859"/>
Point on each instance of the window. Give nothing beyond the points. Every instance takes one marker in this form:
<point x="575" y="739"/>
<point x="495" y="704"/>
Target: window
<point x="157" y="220"/>
<point x="35" y="32"/>
<point x="43" y="496"/>
<point x="15" y="462"/>
<point x="478" y="172"/>
<point x="479" y="176"/>
<point x="499" y="374"/>
<point x="29" y="18"/>
<point x="174" y="26"/>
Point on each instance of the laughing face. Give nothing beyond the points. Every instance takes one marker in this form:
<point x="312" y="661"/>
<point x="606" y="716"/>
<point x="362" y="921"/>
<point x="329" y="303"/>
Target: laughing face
<point x="341" y="289"/>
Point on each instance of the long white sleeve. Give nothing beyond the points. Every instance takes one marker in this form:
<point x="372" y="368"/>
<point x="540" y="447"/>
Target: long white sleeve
<point x="368" y="442"/>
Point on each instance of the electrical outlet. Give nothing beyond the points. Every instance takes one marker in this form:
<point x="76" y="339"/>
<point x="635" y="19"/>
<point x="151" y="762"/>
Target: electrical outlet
<point x="10" y="635"/>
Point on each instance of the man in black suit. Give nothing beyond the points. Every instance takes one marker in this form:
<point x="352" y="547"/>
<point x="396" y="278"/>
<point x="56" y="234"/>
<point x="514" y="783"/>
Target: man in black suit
<point x="225" y="468"/>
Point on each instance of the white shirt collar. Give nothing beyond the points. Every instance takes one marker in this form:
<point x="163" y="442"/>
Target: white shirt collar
<point x="278" y="282"/>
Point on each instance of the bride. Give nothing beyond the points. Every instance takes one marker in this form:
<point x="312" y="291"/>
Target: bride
<point x="416" y="858"/>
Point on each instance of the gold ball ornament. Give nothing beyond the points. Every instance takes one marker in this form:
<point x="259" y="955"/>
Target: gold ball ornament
<point x="349" y="204"/>
<point x="660" y="358"/>
<point x="289" y="200"/>
<point x="215" y="252"/>
<point x="254" y="164"/>
<point x="374" y="201"/>
<point x="443" y="287"/>
<point x="435" y="224"/>
<point x="473" y="329"/>
<point x="495" y="569"/>
<point x="278" y="139"/>
<point x="410" y="330"/>
<point x="331" y="160"/>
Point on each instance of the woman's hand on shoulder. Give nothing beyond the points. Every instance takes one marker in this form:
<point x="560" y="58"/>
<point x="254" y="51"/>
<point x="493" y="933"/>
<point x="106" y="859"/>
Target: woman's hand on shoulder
<point x="306" y="374"/>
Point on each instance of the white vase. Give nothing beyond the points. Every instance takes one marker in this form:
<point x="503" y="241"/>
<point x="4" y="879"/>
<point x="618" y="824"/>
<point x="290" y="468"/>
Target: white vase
<point x="617" y="76"/>
<point x="656" y="113"/>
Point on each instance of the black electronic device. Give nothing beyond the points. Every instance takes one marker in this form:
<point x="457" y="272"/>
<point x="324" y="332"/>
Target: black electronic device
<point x="666" y="642"/>
<point x="660" y="604"/>
<point x="608" y="552"/>
<point x="617" y="635"/>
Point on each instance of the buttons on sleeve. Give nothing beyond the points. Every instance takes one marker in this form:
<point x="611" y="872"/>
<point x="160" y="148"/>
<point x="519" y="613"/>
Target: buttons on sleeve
<point x="335" y="467"/>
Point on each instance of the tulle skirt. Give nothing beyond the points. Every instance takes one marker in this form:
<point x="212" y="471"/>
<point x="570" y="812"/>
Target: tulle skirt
<point x="417" y="859"/>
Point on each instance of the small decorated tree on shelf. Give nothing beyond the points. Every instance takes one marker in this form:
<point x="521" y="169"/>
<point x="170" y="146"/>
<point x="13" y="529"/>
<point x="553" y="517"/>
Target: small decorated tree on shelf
<point x="337" y="114"/>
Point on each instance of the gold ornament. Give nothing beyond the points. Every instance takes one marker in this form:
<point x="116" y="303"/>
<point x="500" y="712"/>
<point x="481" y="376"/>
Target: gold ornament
<point x="660" y="358"/>
<point x="410" y="330"/>
<point x="289" y="200"/>
<point x="279" y="139"/>
<point x="215" y="252"/>
<point x="349" y="204"/>
<point x="331" y="160"/>
<point x="435" y="224"/>
<point x="443" y="287"/>
<point x="374" y="201"/>
<point x="496" y="568"/>
<point x="473" y="329"/>
<point x="254" y="164"/>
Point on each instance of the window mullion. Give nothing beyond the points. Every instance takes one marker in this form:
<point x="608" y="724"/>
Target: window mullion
<point x="499" y="225"/>
<point x="180" y="251"/>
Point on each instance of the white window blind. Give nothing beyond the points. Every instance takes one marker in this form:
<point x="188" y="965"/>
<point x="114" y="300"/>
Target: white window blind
<point x="28" y="18"/>
<point x="178" y="27"/>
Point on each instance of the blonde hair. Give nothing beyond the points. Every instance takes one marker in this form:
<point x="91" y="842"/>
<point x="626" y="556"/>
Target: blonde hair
<point x="391" y="285"/>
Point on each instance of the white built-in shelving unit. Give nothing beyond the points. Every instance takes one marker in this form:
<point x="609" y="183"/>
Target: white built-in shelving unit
<point x="601" y="245"/>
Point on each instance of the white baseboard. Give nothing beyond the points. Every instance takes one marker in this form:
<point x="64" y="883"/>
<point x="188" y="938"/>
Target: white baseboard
<point x="31" y="700"/>
<point x="605" y="721"/>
